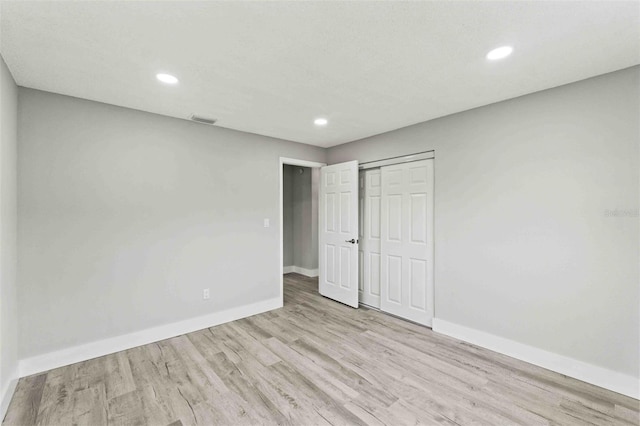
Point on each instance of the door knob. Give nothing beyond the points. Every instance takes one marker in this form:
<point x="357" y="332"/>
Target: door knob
<point x="352" y="241"/>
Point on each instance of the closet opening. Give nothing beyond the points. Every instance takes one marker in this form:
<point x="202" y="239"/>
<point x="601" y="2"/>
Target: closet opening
<point x="396" y="239"/>
<point x="376" y="235"/>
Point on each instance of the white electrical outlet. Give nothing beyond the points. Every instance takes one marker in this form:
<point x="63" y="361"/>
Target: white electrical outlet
<point x="266" y="223"/>
<point x="205" y="293"/>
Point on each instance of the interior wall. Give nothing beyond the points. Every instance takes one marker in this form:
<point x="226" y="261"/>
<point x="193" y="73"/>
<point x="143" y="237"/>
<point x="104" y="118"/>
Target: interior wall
<point x="126" y="216"/>
<point x="287" y="215"/>
<point x="8" y="230"/>
<point x="300" y="217"/>
<point x="536" y="216"/>
<point x="303" y="248"/>
<point x="315" y="188"/>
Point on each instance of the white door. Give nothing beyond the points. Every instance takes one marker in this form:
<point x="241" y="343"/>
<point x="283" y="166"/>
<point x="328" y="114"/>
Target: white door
<point x="407" y="241"/>
<point x="338" y="233"/>
<point x="370" y="199"/>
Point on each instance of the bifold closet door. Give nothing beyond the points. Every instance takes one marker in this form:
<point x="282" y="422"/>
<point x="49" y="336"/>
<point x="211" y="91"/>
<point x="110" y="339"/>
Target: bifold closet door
<point x="407" y="241"/>
<point x="370" y="204"/>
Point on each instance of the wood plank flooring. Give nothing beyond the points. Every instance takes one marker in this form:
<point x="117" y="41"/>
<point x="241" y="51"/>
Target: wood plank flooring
<point x="313" y="362"/>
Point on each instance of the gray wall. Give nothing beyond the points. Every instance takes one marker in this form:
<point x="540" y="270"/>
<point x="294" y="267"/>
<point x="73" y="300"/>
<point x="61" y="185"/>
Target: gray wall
<point x="287" y="215"/>
<point x="8" y="229"/>
<point x="300" y="217"/>
<point x="524" y="246"/>
<point x="126" y="216"/>
<point x="312" y="259"/>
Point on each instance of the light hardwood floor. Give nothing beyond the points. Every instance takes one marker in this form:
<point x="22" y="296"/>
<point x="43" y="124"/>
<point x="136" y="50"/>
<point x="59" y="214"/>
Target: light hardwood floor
<point x="313" y="362"/>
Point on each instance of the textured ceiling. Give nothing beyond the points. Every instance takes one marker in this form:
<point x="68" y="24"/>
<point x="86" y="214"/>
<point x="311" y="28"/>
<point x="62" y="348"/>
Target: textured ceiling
<point x="272" y="67"/>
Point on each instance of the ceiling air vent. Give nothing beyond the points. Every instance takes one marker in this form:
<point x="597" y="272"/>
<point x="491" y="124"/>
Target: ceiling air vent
<point x="201" y="119"/>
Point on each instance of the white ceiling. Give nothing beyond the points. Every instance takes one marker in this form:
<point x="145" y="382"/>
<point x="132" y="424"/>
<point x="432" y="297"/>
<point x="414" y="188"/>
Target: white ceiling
<point x="272" y="67"/>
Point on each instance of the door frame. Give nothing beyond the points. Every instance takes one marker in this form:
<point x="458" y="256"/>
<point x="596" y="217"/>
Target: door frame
<point x="426" y="155"/>
<point x="291" y="162"/>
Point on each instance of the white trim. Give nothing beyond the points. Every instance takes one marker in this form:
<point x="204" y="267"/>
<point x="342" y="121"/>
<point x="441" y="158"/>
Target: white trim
<point x="281" y="163"/>
<point x="398" y="160"/>
<point x="301" y="163"/>
<point x="91" y="350"/>
<point x="311" y="273"/>
<point x="599" y="376"/>
<point x="6" y="395"/>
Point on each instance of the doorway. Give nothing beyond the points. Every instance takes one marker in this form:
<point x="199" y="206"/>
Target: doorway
<point x="300" y="220"/>
<point x="299" y="182"/>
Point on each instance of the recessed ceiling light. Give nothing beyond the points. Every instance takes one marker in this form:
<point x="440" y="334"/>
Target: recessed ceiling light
<point x="320" y="121"/>
<point x="167" y="78"/>
<point x="499" y="53"/>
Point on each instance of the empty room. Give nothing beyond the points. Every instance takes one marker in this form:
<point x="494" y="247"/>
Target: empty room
<point x="319" y="212"/>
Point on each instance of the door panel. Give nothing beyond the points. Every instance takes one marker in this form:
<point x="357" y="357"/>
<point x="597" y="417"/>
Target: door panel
<point x="394" y="279"/>
<point x="338" y="217"/>
<point x="370" y="199"/>
<point x="406" y="244"/>
<point x="417" y="280"/>
<point x="374" y="278"/>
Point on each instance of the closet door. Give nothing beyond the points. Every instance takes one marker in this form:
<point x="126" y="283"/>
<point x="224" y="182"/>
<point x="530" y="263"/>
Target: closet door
<point x="370" y="203"/>
<point x="407" y="241"/>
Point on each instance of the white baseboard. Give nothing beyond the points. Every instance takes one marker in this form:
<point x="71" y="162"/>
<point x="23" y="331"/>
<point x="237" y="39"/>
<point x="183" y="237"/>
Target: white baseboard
<point x="6" y="395"/>
<point x="599" y="376"/>
<point x="91" y="350"/>
<point x="311" y="273"/>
